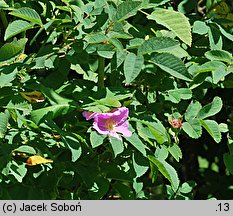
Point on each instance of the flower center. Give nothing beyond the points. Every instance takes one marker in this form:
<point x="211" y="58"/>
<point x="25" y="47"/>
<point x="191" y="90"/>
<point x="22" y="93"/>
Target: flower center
<point x="110" y="124"/>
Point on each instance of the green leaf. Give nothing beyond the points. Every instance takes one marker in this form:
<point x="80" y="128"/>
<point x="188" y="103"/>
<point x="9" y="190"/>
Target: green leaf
<point x="105" y="50"/>
<point x="51" y="111"/>
<point x="175" y="151"/>
<point x="174" y="21"/>
<point x="230" y="145"/>
<point x="3" y="4"/>
<point x="137" y="143"/>
<point x="132" y="66"/>
<point x="207" y="67"/>
<point x="110" y="102"/>
<point x="28" y="14"/>
<point x="212" y="128"/>
<point x="126" y="10"/>
<point x="167" y="171"/>
<point x="117" y="146"/>
<point x="219" y="73"/>
<point x="187" y="187"/>
<point x="223" y="127"/>
<point x="171" y="64"/>
<point x="16" y="27"/>
<point x="145" y="133"/>
<point x="218" y="55"/>
<point x="26" y="149"/>
<point x="125" y="191"/>
<point x="9" y="50"/>
<point x="157" y="129"/>
<point x="140" y="164"/>
<point x="99" y="188"/>
<point x="211" y="109"/>
<point x="224" y="32"/>
<point x="157" y="44"/>
<point x="200" y="27"/>
<point x="25" y="107"/>
<point x="7" y="75"/>
<point x="192" y="110"/>
<point x="3" y="124"/>
<point x="96" y="38"/>
<point x="114" y="171"/>
<point x="161" y="152"/>
<point x="73" y="144"/>
<point x="192" y="128"/>
<point x="16" y="170"/>
<point x="228" y="161"/>
<point x="96" y="139"/>
<point x="177" y="95"/>
<point x="215" y="38"/>
<point x="60" y="105"/>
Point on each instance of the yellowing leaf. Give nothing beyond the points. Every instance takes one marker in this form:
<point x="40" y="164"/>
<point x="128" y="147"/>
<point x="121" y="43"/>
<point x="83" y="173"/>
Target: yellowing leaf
<point x="222" y="8"/>
<point x="33" y="97"/>
<point x="22" y="56"/>
<point x="36" y="159"/>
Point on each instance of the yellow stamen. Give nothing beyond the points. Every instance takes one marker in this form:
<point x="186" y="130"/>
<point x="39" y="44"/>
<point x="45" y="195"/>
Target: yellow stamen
<point x="110" y="124"/>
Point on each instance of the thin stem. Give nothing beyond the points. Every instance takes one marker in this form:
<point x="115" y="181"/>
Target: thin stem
<point x="144" y="12"/>
<point x="101" y="73"/>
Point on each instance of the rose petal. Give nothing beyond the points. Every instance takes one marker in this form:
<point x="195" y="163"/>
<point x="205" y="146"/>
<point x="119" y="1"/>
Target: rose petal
<point x="114" y="134"/>
<point x="89" y="115"/>
<point x="101" y="130"/>
<point x="124" y="129"/>
<point x="119" y="115"/>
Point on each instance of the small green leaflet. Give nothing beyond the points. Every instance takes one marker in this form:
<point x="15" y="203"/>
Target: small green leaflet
<point x="192" y="128"/>
<point x="96" y="139"/>
<point x="212" y="128"/>
<point x="211" y="109"/>
<point x="132" y="66"/>
<point x="26" y="149"/>
<point x="192" y="110"/>
<point x="117" y="146"/>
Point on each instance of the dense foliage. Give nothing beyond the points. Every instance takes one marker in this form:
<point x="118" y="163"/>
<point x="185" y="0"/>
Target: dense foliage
<point x="116" y="99"/>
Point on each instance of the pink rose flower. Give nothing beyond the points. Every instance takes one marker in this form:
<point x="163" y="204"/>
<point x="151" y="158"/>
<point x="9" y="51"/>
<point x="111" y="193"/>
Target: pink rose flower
<point x="111" y="123"/>
<point x="89" y="115"/>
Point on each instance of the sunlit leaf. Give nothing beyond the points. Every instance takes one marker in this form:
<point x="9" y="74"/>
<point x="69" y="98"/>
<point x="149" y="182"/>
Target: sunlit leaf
<point x="28" y="14"/>
<point x="212" y="128"/>
<point x="192" y="128"/>
<point x="174" y="21"/>
<point x="17" y="27"/>
<point x="26" y="149"/>
<point x="211" y="109"/>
